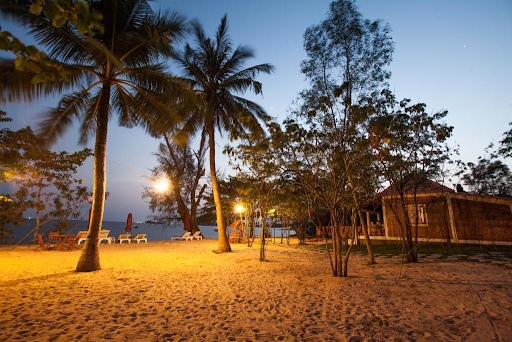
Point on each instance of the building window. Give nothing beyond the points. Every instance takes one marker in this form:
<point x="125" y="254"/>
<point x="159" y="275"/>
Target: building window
<point x="421" y="213"/>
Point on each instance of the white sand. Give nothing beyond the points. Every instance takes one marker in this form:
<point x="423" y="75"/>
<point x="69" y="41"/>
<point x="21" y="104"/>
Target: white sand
<point x="182" y="291"/>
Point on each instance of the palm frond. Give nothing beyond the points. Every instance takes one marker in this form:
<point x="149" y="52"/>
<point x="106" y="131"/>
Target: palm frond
<point x="121" y="104"/>
<point x="153" y="40"/>
<point x="236" y="60"/>
<point x="216" y="71"/>
<point x="125" y="59"/>
<point x="17" y="86"/>
<point x="55" y="121"/>
<point x="223" y="39"/>
<point x="88" y="126"/>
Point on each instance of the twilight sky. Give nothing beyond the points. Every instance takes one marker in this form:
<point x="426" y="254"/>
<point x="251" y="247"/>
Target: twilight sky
<point x="454" y="55"/>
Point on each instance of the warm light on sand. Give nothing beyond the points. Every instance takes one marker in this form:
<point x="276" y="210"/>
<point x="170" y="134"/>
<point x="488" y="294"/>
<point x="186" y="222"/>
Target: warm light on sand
<point x="182" y="291"/>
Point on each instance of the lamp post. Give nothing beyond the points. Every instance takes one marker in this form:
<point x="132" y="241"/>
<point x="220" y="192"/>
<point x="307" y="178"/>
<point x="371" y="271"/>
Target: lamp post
<point x="239" y="209"/>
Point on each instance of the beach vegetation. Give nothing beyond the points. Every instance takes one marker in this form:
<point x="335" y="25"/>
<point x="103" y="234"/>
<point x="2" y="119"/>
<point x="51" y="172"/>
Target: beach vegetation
<point x="505" y="147"/>
<point x="410" y="146"/>
<point x="257" y="170"/>
<point x="119" y="70"/>
<point x="214" y="69"/>
<point x="184" y="168"/>
<point x="324" y="143"/>
<point x="34" y="62"/>
<point x="348" y="135"/>
<point x="42" y="181"/>
<point x="9" y="213"/>
<point x="490" y="175"/>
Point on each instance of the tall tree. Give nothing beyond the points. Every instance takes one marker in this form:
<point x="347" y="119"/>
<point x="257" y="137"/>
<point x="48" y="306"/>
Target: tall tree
<point x="505" y="149"/>
<point x="258" y="168"/>
<point x="119" y="71"/>
<point x="184" y="168"/>
<point x="313" y="162"/>
<point x="489" y="177"/>
<point x="44" y="179"/>
<point x="214" y="69"/>
<point x="10" y="212"/>
<point x="410" y="147"/>
<point x="346" y="62"/>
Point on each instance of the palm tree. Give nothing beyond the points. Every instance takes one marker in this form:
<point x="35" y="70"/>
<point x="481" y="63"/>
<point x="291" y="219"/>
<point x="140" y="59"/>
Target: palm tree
<point x="214" y="71"/>
<point x="118" y="71"/>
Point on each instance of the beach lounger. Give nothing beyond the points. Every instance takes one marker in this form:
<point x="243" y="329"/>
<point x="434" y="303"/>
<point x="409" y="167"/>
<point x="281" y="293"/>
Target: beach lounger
<point x="140" y="237"/>
<point x="197" y="235"/>
<point x="124" y="237"/>
<point x="185" y="236"/>
<point x="104" y="236"/>
<point x="81" y="236"/>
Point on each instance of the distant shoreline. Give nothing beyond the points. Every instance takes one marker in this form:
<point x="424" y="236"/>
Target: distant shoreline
<point x="154" y="231"/>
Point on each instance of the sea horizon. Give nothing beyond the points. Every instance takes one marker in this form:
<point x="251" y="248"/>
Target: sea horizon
<point x="154" y="231"/>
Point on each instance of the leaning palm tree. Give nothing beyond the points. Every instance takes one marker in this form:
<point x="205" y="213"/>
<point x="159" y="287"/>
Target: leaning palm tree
<point x="118" y="71"/>
<point x="214" y="70"/>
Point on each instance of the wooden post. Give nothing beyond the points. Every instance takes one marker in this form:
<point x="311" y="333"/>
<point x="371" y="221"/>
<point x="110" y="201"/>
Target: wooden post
<point x="384" y="219"/>
<point x="451" y="218"/>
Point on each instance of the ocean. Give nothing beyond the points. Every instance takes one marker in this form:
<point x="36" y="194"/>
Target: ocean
<point x="154" y="231"/>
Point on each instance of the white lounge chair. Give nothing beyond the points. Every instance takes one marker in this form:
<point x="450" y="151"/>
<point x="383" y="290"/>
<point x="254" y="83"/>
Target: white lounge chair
<point x="185" y="236"/>
<point x="104" y="236"/>
<point x="124" y="237"/>
<point x="81" y="236"/>
<point x="197" y="235"/>
<point x="140" y="237"/>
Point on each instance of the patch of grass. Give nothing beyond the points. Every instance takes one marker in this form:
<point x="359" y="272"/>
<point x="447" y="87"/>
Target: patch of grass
<point x="395" y="248"/>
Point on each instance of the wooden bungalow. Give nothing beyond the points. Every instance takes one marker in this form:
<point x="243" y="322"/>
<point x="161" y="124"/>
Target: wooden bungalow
<point x="446" y="216"/>
<point x="236" y="231"/>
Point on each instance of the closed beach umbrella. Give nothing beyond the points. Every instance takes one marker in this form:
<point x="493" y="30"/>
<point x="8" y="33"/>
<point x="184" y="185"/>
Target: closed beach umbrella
<point x="128" y="227"/>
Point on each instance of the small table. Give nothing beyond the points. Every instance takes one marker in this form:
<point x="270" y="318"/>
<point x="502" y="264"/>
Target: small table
<point x="64" y="242"/>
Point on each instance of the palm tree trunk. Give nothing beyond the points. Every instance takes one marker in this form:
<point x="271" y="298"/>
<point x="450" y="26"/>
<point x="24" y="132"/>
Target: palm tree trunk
<point x="90" y="257"/>
<point x="224" y="245"/>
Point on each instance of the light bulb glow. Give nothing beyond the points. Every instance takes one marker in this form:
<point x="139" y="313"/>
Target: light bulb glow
<point x="162" y="185"/>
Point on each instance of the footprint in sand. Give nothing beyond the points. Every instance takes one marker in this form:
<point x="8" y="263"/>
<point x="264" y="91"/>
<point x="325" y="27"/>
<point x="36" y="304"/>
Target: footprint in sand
<point x="356" y="339"/>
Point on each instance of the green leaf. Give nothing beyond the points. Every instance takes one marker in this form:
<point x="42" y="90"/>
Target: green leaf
<point x="37" y="79"/>
<point x="32" y="51"/>
<point x="36" y="7"/>
<point x="52" y="10"/>
<point x="58" y="21"/>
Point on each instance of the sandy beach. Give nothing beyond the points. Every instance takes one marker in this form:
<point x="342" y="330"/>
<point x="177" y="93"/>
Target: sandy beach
<point x="182" y="291"/>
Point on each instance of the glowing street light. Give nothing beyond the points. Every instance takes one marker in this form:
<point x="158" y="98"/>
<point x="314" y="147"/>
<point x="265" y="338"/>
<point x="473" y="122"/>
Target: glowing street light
<point x="239" y="209"/>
